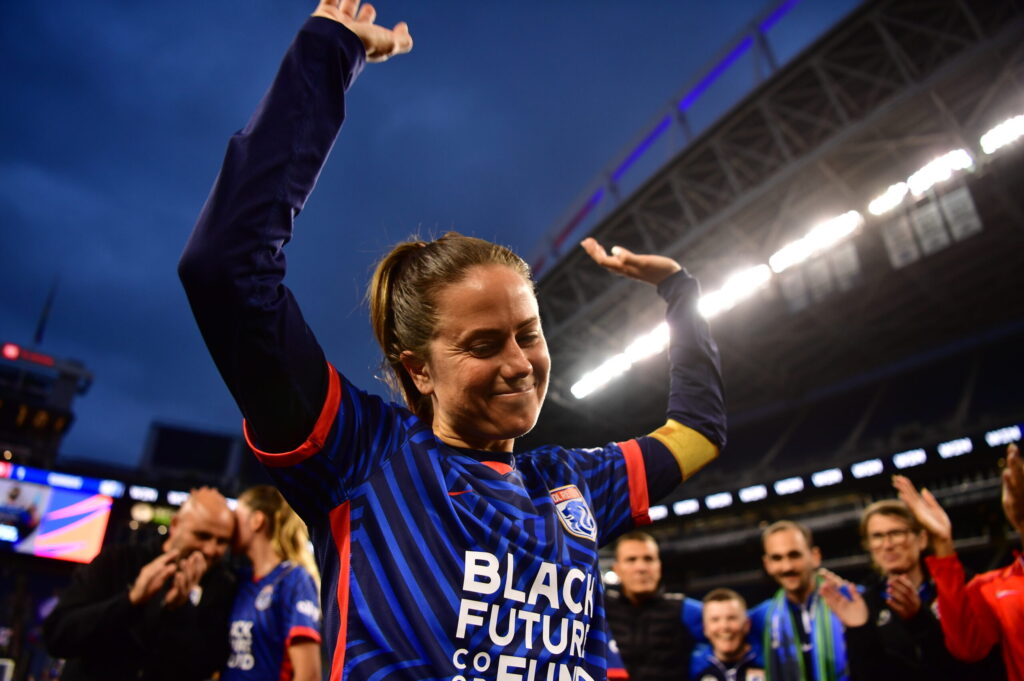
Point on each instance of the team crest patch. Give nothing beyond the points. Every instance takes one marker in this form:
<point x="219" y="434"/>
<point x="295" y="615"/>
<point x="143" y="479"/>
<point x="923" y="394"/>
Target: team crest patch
<point x="265" y="596"/>
<point x="574" y="512"/>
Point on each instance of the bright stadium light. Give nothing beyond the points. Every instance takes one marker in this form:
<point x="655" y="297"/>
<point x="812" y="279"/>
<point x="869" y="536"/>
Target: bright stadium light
<point x="718" y="500"/>
<point x="865" y="469"/>
<point x="958" y="447"/>
<point x="737" y="287"/>
<point x="892" y="197"/>
<point x="141" y="493"/>
<point x="176" y="498"/>
<point x="112" y="488"/>
<point x="939" y="170"/>
<point x="657" y="513"/>
<point x="789" y="486"/>
<point x="1002" y="436"/>
<point x="1007" y="132"/>
<point x="823" y="236"/>
<point x="64" y="480"/>
<point x="908" y="459"/>
<point x="648" y="344"/>
<point x="753" y="493"/>
<point x="686" y="507"/>
<point x="826" y="478"/>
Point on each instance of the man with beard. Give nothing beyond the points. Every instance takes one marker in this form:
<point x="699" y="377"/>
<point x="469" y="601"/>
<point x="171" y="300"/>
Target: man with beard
<point x="726" y="626"/>
<point x="802" y="637"/>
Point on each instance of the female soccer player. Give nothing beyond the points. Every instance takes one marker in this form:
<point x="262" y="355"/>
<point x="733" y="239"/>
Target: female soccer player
<point x="275" y="622"/>
<point x="443" y="553"/>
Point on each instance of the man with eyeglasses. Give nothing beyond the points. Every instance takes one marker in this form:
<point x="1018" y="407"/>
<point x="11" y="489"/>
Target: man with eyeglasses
<point x="892" y="629"/>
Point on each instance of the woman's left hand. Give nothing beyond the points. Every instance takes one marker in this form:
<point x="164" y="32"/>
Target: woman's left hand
<point x="652" y="269"/>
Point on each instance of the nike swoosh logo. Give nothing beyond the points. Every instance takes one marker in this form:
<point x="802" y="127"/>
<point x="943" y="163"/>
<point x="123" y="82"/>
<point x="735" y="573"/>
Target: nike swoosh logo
<point x="1005" y="592"/>
<point x="455" y="494"/>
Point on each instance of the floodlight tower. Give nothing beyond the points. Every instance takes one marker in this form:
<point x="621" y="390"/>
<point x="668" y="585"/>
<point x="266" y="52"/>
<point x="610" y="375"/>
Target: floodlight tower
<point x="36" y="392"/>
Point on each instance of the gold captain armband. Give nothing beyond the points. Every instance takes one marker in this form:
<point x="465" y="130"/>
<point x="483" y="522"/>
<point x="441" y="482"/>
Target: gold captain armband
<point x="692" y="450"/>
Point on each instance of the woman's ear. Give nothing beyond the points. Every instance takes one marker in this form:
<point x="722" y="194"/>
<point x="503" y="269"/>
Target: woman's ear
<point x="419" y="372"/>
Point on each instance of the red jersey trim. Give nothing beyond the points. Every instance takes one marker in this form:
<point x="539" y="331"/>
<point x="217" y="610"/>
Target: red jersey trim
<point x="636" y="474"/>
<point x="340" y="531"/>
<point x="617" y="673"/>
<point x="499" y="467"/>
<point x="302" y="633"/>
<point x="315" y="442"/>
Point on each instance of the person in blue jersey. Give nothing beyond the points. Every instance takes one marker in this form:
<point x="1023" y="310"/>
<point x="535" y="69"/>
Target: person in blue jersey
<point x="726" y="625"/>
<point x="275" y="621"/>
<point x="444" y="552"/>
<point x="801" y="638"/>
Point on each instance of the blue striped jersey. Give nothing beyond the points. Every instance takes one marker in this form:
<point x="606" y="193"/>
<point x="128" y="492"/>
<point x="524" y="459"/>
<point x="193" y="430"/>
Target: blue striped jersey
<point x="268" y="615"/>
<point x="442" y="563"/>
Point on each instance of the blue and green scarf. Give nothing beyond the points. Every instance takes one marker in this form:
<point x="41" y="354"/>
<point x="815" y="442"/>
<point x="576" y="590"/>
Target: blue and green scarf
<point x="783" y="661"/>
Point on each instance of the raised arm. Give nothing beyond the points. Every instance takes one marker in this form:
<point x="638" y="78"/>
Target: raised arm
<point x="968" y="625"/>
<point x="694" y="431"/>
<point x="233" y="265"/>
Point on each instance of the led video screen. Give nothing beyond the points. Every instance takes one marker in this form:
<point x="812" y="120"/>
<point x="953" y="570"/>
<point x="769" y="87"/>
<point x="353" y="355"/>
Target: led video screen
<point x="52" y="522"/>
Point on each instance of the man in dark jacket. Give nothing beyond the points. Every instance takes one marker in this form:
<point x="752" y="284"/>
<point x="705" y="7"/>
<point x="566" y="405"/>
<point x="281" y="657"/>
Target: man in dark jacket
<point x="151" y="612"/>
<point x="656" y="632"/>
<point x="892" y="631"/>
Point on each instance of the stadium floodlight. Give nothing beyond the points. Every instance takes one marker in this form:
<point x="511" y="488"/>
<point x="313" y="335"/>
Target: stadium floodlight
<point x="141" y="493"/>
<point x="892" y="197"/>
<point x="592" y="380"/>
<point x="112" y="488"/>
<point x="718" y="500"/>
<point x="648" y="344"/>
<point x="909" y="459"/>
<point x="789" y="486"/>
<point x="939" y="170"/>
<point x="823" y="236"/>
<point x="657" y="513"/>
<point x="865" y="469"/>
<point x="1007" y="132"/>
<point x="753" y="493"/>
<point x="64" y="480"/>
<point x="1002" y="436"/>
<point x="958" y="447"/>
<point x="826" y="478"/>
<point x="686" y="507"/>
<point x="176" y="498"/>
<point x="737" y="287"/>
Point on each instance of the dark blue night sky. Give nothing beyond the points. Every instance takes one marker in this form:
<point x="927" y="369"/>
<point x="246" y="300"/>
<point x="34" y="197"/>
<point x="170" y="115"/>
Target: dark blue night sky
<point x="116" y="115"/>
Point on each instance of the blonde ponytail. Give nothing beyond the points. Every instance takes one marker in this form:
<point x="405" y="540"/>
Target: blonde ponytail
<point x="288" y="534"/>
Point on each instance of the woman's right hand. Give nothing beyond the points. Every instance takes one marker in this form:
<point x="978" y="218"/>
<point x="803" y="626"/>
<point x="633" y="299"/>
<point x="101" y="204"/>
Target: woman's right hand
<point x="928" y="512"/>
<point x="381" y="43"/>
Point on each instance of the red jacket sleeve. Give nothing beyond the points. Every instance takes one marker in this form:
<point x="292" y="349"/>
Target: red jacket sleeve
<point x="968" y="624"/>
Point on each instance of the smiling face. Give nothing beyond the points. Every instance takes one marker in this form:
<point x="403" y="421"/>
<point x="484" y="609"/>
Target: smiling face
<point x="791" y="562"/>
<point x="895" y="547"/>
<point x="486" y="370"/>
<point x="726" y="625"/>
